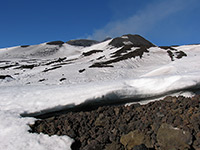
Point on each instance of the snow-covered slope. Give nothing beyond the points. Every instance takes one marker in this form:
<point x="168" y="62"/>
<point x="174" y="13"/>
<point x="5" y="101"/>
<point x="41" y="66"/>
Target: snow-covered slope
<point x="51" y="76"/>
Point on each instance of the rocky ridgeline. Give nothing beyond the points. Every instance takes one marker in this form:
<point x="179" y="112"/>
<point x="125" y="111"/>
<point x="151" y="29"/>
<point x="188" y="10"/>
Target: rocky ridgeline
<point x="172" y="123"/>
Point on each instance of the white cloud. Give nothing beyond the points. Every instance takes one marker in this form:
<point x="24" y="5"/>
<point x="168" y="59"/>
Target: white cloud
<point x="142" y="21"/>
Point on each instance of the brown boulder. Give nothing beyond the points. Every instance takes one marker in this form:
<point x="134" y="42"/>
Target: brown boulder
<point x="172" y="138"/>
<point x="133" y="139"/>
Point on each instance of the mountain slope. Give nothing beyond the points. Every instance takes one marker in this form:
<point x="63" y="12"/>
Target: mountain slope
<point x="48" y="77"/>
<point x="47" y="61"/>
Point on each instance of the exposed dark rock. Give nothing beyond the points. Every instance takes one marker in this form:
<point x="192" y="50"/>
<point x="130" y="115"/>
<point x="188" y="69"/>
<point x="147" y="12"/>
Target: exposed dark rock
<point x="76" y="145"/>
<point x="82" y="42"/>
<point x="172" y="123"/>
<point x="136" y="41"/>
<point x="169" y="137"/>
<point x="119" y="56"/>
<point x="8" y="66"/>
<point x="132" y="54"/>
<point x="24" y="46"/>
<point x="113" y="146"/>
<point x="4" y="61"/>
<point x="101" y="57"/>
<point x="62" y="79"/>
<point x="60" y="43"/>
<point x="140" y="147"/>
<point x="132" y="139"/>
<point x="53" y="68"/>
<point x="176" y="54"/>
<point x="82" y="70"/>
<point x="93" y="145"/>
<point x="91" y="52"/>
<point x="180" y="54"/>
<point x="171" y="55"/>
<point x="5" y="76"/>
<point x="100" y="65"/>
<point x="175" y="45"/>
<point x="41" y="80"/>
<point x="26" y="66"/>
<point x="123" y="50"/>
<point x="56" y="61"/>
<point x="167" y="48"/>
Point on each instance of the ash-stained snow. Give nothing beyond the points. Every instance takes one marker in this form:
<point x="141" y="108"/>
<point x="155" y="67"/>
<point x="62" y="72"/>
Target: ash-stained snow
<point x="43" y="78"/>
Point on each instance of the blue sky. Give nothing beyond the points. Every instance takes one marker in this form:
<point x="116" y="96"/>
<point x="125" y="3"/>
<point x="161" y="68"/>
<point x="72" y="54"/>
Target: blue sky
<point x="163" y="22"/>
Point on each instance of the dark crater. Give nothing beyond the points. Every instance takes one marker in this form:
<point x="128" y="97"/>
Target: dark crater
<point x="136" y="41"/>
<point x="171" y="123"/>
<point x="82" y="42"/>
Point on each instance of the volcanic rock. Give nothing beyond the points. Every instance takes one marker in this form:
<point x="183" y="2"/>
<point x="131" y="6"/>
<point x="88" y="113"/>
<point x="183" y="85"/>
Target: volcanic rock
<point x="132" y="139"/>
<point x="134" y="40"/>
<point x="171" y="123"/>
<point x="60" y="43"/>
<point x="82" y="42"/>
<point x="178" y="139"/>
<point x="5" y="76"/>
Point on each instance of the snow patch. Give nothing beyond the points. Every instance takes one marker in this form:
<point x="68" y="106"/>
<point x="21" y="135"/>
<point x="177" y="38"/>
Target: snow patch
<point x="128" y="43"/>
<point x="124" y="37"/>
<point x="14" y="135"/>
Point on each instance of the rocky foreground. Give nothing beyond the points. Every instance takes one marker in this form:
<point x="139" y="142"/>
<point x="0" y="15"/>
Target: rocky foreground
<point x="170" y="124"/>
